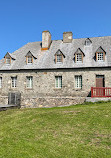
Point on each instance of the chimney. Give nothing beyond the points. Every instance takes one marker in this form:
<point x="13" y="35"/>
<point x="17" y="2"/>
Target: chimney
<point x="67" y="37"/>
<point x="46" y="40"/>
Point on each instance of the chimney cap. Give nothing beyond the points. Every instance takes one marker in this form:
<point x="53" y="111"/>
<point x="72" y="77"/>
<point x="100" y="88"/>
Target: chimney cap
<point x="67" y="32"/>
<point x="46" y="31"/>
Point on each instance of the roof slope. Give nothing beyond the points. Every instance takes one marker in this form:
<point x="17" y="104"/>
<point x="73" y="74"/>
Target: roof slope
<point x="45" y="59"/>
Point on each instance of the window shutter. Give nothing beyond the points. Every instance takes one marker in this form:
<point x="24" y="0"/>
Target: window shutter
<point x="75" y="58"/>
<point x="96" y="56"/>
<point x="104" y="56"/>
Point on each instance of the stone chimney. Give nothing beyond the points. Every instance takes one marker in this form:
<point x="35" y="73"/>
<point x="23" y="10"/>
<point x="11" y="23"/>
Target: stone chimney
<point x="67" y="37"/>
<point x="46" y="40"/>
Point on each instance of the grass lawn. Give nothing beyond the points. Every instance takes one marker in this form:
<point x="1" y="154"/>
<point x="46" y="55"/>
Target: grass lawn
<point x="81" y="131"/>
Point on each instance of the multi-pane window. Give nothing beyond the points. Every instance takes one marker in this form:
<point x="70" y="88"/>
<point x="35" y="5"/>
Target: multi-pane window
<point x="0" y="82"/>
<point x="29" y="81"/>
<point x="59" y="58"/>
<point x="29" y="60"/>
<point x="14" y="82"/>
<point x="100" y="56"/>
<point x="58" y="81"/>
<point x="78" y="81"/>
<point x="78" y="58"/>
<point x="8" y="61"/>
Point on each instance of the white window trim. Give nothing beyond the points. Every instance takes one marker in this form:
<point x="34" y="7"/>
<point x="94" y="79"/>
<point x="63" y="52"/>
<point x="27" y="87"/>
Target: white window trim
<point x="29" y="63"/>
<point x="79" y="81"/>
<point x="30" y="84"/>
<point x="80" y="61"/>
<point x="8" y="59"/>
<point x="59" y="78"/>
<point x="98" y="56"/>
<point x="0" y="82"/>
<point x="13" y="82"/>
<point x="59" y="61"/>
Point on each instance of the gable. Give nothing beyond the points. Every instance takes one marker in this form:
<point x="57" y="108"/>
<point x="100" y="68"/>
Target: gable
<point x="79" y="51"/>
<point x="29" y="54"/>
<point x="59" y="52"/>
<point x="100" y="50"/>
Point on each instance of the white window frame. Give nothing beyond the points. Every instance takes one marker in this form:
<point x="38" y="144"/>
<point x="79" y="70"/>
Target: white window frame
<point x="58" y="81"/>
<point x="78" y="81"/>
<point x="59" y="59"/>
<point x="79" y="58"/>
<point x="14" y="82"/>
<point x="29" y="81"/>
<point x="0" y="82"/>
<point x="8" y="60"/>
<point x="29" y="60"/>
<point x="100" y="56"/>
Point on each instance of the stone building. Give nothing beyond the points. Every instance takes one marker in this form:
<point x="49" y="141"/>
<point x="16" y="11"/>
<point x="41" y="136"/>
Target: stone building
<point x="55" y="72"/>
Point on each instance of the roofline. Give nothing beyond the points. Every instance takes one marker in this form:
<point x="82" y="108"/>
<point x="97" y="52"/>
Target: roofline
<point x="55" y="68"/>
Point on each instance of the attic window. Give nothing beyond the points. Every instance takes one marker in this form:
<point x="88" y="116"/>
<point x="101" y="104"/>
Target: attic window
<point x="88" y="42"/>
<point x="59" y="57"/>
<point x="100" y="55"/>
<point x="8" y="60"/>
<point x="79" y="56"/>
<point x="29" y="60"/>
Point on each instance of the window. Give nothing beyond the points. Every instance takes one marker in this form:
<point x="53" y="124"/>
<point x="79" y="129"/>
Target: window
<point x="58" y="81"/>
<point x="8" y="60"/>
<point x="14" y="82"/>
<point x="29" y="60"/>
<point x="59" y="58"/>
<point x="78" y="81"/>
<point x="88" y="42"/>
<point x="0" y="82"/>
<point x="99" y="56"/>
<point x="29" y="81"/>
<point x="78" y="58"/>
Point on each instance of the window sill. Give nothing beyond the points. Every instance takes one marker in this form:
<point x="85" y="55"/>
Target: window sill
<point x="78" y="89"/>
<point x="29" y="88"/>
<point x="13" y="87"/>
<point x="57" y="88"/>
<point x="29" y="63"/>
<point x="79" y="62"/>
<point x="59" y="63"/>
<point x="100" y="61"/>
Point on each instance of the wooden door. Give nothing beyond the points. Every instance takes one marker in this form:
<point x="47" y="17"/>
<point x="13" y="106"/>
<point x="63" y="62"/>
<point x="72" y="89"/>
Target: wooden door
<point x="100" y="81"/>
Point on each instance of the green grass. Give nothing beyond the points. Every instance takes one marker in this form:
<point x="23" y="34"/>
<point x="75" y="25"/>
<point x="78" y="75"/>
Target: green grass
<point x="81" y="131"/>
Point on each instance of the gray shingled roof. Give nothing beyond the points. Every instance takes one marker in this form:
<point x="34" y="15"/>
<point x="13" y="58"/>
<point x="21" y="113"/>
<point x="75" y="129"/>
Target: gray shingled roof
<point x="45" y="59"/>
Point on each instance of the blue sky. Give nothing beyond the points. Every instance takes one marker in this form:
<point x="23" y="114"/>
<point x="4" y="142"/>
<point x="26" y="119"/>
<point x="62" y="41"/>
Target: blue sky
<point x="22" y="21"/>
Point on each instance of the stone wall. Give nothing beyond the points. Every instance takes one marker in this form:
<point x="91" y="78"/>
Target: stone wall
<point x="51" y="101"/>
<point x="44" y="92"/>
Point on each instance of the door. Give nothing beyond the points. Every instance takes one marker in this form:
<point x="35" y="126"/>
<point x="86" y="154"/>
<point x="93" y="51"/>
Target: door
<point x="100" y="82"/>
<point x="14" y="98"/>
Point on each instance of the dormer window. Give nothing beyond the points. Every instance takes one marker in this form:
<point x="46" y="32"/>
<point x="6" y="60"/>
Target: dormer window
<point x="8" y="60"/>
<point x="29" y="58"/>
<point x="79" y="56"/>
<point x="59" y="57"/>
<point x="88" y="42"/>
<point x="100" y="55"/>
